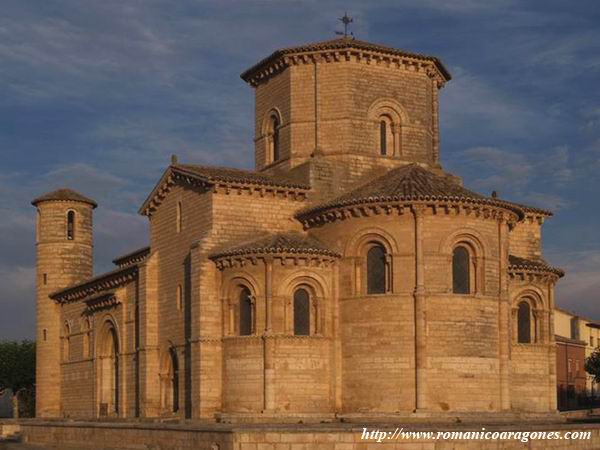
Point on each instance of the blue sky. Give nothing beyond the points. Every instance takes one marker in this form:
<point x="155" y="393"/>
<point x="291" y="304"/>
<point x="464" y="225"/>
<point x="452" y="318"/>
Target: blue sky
<point x="97" y="95"/>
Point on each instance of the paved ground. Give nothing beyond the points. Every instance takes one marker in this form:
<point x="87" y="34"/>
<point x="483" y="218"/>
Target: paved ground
<point x="19" y="446"/>
<point x="14" y="446"/>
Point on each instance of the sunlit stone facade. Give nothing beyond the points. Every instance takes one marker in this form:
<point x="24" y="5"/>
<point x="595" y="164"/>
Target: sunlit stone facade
<point x="347" y="276"/>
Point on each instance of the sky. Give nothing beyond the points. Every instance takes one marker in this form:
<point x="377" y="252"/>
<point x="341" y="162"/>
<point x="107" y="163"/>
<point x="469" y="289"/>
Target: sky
<point x="96" y="96"/>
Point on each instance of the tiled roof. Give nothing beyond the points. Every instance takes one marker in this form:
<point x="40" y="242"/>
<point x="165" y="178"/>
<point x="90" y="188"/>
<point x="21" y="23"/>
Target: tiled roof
<point x="342" y="44"/>
<point x="409" y="183"/>
<point x="132" y="257"/>
<point x="213" y="174"/>
<point x="537" y="265"/>
<point x="533" y="209"/>
<point x="95" y="285"/>
<point x="278" y="243"/>
<point x="64" y="195"/>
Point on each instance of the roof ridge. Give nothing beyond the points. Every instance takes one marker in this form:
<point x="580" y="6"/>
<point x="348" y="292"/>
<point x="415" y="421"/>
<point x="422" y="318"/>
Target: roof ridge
<point x="129" y="255"/>
<point x="259" y="177"/>
<point x="79" y="287"/>
<point x="294" y="241"/>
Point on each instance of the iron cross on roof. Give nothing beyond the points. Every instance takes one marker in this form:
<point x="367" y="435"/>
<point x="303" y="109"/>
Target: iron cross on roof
<point x="346" y="21"/>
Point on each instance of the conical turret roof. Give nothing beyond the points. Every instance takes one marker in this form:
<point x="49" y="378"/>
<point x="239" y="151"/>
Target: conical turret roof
<point x="64" y="195"/>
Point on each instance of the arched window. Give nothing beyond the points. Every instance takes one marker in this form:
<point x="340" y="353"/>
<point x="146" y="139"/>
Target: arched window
<point x="67" y="343"/>
<point x="275" y="144"/>
<point x="109" y="371"/>
<point x="301" y="312"/>
<point x="461" y="275"/>
<point x="71" y="225"/>
<point x="383" y="137"/>
<point x="524" y="323"/>
<point x="376" y="270"/>
<point x="174" y="375"/>
<point x="386" y="136"/>
<point x="246" y="313"/>
<point x="179" y="217"/>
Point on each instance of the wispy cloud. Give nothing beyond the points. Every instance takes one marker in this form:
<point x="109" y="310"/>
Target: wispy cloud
<point x="472" y="99"/>
<point x="520" y="174"/>
<point x="580" y="289"/>
<point x="97" y="95"/>
<point x="509" y="168"/>
<point x="17" y="301"/>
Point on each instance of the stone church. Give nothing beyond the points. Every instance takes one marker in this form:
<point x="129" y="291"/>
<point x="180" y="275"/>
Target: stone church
<point x="348" y="276"/>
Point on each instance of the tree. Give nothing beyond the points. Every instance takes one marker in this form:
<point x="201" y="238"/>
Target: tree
<point x="17" y="368"/>
<point x="592" y="365"/>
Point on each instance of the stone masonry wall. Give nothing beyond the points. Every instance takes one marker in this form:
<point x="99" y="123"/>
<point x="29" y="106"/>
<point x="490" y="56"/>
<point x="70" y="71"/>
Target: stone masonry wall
<point x="60" y="263"/>
<point x="526" y="238"/>
<point x="299" y="437"/>
<point x="333" y="115"/>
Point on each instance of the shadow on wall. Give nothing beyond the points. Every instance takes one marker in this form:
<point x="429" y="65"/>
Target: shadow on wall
<point x="6" y="409"/>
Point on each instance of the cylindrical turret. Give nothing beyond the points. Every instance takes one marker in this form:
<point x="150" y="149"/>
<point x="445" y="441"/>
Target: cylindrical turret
<point x="64" y="257"/>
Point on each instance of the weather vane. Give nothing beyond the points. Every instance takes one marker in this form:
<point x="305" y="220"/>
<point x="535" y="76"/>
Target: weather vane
<point x="346" y="21"/>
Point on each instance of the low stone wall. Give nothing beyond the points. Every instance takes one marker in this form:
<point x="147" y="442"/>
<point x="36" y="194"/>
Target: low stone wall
<point x="162" y="436"/>
<point x="581" y="413"/>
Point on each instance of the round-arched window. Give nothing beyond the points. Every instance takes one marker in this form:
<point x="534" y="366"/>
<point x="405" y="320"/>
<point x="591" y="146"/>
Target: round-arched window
<point x="301" y="312"/>
<point x="376" y="270"/>
<point x="245" y="312"/>
<point x="461" y="276"/>
<point x="71" y="225"/>
<point x="524" y="323"/>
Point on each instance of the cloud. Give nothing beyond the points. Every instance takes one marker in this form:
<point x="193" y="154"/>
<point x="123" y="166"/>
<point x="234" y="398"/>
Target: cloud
<point x="97" y="95"/>
<point x="470" y="100"/>
<point x="117" y="233"/>
<point x="460" y="6"/>
<point x="520" y="174"/>
<point x="592" y="118"/>
<point x="17" y="301"/>
<point x="554" y="167"/>
<point x="551" y="202"/>
<point x="579" y="289"/>
<point x="577" y="51"/>
<point x="509" y="168"/>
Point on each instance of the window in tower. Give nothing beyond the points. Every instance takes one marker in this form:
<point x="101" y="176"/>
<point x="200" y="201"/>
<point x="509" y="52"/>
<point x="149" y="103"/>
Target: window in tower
<point x="275" y="126"/>
<point x="382" y="137"/>
<point x="386" y="136"/>
<point x="301" y="312"/>
<point x="71" y="225"/>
